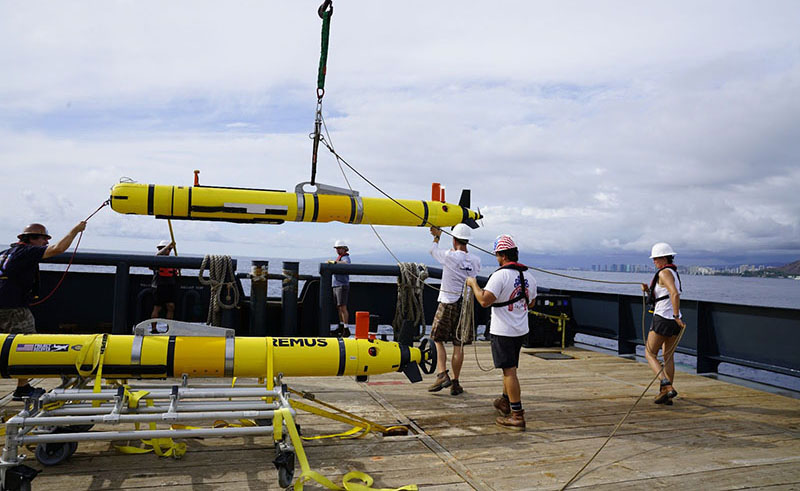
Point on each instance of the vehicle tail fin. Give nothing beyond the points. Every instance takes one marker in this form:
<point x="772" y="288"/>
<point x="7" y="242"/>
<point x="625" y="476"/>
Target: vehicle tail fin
<point x="411" y="370"/>
<point x="465" y="199"/>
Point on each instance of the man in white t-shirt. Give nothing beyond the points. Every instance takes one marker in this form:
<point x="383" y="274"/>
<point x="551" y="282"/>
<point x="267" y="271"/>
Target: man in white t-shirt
<point x="510" y="291"/>
<point x="457" y="265"/>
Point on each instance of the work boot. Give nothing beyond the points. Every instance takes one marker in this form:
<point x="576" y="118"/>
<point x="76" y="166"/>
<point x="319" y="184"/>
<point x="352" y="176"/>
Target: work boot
<point x="671" y="392"/>
<point x="342" y="331"/>
<point x="456" y="388"/>
<point x="25" y="392"/>
<point x="503" y="406"/>
<point x="515" y="421"/>
<point x="663" y="394"/>
<point x="442" y="381"/>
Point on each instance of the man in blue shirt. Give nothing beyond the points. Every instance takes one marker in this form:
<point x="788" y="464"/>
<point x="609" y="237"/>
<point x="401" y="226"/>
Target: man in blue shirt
<point x="341" y="288"/>
<point x="19" y="283"/>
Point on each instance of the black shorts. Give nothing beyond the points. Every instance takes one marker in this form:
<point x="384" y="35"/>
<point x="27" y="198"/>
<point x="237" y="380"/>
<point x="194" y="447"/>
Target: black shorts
<point x="166" y="294"/>
<point x="505" y="350"/>
<point x="665" y="327"/>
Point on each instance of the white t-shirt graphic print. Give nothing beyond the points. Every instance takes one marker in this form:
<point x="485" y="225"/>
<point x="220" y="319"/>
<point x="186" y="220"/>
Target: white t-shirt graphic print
<point x="511" y="320"/>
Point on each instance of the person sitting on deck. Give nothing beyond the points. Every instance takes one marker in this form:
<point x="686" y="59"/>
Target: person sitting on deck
<point x="511" y="291"/>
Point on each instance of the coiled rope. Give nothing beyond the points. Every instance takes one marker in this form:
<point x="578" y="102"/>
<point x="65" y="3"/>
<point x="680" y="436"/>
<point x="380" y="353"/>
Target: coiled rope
<point x="466" y="322"/>
<point x="410" y="282"/>
<point x="220" y="274"/>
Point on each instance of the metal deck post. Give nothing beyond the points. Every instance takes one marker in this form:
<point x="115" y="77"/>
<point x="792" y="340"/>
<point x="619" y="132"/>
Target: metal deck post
<point x="289" y="298"/>
<point x="119" y="320"/>
<point x="625" y="330"/>
<point x="258" y="298"/>
<point x="325" y="282"/>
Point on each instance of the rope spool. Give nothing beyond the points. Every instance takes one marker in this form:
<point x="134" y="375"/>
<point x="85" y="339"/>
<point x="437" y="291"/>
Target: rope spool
<point x="220" y="274"/>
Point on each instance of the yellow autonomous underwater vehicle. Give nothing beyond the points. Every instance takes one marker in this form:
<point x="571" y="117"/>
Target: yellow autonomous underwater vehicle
<point x="325" y="204"/>
<point x="201" y="351"/>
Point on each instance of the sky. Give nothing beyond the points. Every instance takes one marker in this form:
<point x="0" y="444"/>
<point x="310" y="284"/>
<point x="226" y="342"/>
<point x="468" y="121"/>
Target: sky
<point x="583" y="129"/>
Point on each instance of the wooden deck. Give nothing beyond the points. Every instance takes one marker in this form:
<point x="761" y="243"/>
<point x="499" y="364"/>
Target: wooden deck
<point x="716" y="436"/>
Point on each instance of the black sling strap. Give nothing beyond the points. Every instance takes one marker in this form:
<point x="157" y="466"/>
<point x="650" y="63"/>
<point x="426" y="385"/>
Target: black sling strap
<point x="517" y="267"/>
<point x="651" y="295"/>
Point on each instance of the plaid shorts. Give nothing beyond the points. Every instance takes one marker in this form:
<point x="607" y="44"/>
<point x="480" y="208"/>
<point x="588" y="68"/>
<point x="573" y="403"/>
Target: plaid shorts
<point x="445" y="325"/>
<point x="17" y="321"/>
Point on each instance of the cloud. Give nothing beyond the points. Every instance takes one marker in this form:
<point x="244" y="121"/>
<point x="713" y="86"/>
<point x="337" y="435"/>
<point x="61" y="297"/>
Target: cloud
<point x="579" y="128"/>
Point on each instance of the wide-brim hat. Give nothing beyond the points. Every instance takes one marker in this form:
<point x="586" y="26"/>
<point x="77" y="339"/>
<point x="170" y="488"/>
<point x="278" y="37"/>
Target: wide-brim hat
<point x="34" y="229"/>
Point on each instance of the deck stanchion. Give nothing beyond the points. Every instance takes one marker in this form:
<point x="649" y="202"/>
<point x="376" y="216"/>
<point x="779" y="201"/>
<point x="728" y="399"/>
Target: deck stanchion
<point x="325" y="297"/>
<point x="258" y="298"/>
<point x="119" y="320"/>
<point x="706" y="341"/>
<point x="289" y="299"/>
<point x="625" y="330"/>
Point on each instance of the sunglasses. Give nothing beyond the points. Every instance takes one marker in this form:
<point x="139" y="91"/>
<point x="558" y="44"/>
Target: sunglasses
<point x="38" y="236"/>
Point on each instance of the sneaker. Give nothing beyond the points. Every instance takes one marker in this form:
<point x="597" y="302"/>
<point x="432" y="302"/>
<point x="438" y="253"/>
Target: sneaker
<point x="456" y="388"/>
<point x="442" y="381"/>
<point x="503" y="406"/>
<point x="515" y="421"/>
<point x="25" y="392"/>
<point x="346" y="332"/>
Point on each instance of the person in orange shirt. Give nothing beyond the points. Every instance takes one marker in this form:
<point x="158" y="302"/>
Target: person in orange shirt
<point x="165" y="283"/>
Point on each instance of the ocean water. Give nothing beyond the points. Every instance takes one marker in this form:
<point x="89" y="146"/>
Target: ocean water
<point x="764" y="292"/>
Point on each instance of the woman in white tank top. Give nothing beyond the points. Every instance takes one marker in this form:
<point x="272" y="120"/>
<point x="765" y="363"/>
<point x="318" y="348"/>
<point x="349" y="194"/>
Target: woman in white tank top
<point x="667" y="323"/>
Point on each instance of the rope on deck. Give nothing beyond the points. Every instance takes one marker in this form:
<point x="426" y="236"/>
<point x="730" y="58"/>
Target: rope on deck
<point x="614" y="431"/>
<point x="448" y="458"/>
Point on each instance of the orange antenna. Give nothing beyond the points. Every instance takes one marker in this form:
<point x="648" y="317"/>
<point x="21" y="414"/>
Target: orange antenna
<point x="196" y="177"/>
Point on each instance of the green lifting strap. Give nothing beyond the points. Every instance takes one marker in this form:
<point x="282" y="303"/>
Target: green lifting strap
<point x="325" y="12"/>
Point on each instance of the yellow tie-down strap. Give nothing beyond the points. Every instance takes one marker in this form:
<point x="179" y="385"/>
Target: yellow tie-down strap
<point x="163" y="447"/>
<point x="98" y="355"/>
<point x="343" y="416"/>
<point x="348" y="481"/>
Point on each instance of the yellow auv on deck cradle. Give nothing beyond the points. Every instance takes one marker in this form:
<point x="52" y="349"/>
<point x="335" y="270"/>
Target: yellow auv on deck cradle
<point x="161" y="356"/>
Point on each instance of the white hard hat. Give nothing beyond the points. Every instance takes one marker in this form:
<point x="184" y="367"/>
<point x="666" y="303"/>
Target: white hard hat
<point x="340" y="243"/>
<point x="163" y="243"/>
<point x="462" y="232"/>
<point x="661" y="249"/>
